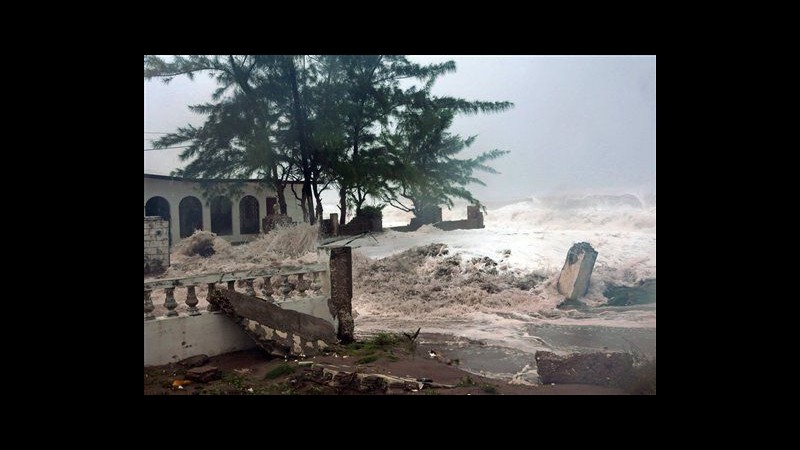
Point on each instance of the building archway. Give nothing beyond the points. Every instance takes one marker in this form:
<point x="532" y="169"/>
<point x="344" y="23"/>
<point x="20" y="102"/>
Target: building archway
<point x="248" y="215"/>
<point x="221" y="216"/>
<point x="157" y="206"/>
<point x="190" y="211"/>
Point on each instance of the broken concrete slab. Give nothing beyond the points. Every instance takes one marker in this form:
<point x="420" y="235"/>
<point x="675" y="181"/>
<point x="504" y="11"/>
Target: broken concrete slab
<point x="603" y="369"/>
<point x="278" y="331"/>
<point x="203" y="374"/>
<point x="573" y="282"/>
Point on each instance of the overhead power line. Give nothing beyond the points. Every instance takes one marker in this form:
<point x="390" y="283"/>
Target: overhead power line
<point x="165" y="148"/>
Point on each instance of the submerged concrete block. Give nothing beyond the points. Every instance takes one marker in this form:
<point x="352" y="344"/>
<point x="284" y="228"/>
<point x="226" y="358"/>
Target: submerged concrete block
<point x="573" y="282"/>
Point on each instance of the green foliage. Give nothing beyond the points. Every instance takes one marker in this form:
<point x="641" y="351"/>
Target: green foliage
<point x="371" y="212"/>
<point x="490" y="389"/>
<point x="328" y="119"/>
<point x="367" y="359"/>
<point x="466" y="381"/>
<point x="279" y="371"/>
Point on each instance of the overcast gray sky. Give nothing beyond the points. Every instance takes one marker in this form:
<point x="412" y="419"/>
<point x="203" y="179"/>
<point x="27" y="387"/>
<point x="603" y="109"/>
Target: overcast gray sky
<point x="579" y="124"/>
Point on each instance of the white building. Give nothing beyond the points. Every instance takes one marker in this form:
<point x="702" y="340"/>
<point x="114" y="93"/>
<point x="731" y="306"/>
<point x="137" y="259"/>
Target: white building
<point x="181" y="202"/>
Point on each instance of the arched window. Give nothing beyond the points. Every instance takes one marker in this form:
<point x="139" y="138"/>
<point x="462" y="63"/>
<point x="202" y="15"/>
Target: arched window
<point x="190" y="211"/>
<point x="248" y="215"/>
<point x="157" y="206"/>
<point x="221" y="218"/>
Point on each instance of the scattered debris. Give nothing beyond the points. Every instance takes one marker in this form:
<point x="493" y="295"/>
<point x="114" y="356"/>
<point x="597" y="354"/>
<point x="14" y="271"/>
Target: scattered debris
<point x="194" y="361"/>
<point x="573" y="282"/>
<point x="203" y="374"/>
<point x="604" y="369"/>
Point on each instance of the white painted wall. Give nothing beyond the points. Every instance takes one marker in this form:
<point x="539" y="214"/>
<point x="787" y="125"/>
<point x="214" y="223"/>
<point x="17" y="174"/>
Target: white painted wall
<point x="171" y="339"/>
<point x="175" y="190"/>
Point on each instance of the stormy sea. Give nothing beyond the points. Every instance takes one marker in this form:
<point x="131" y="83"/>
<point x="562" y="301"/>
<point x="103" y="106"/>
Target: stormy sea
<point x="488" y="297"/>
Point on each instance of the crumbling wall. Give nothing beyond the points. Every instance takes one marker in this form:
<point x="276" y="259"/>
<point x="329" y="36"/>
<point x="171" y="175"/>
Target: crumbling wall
<point x="431" y="214"/>
<point x="473" y="221"/>
<point x="361" y="225"/>
<point x="156" y="244"/>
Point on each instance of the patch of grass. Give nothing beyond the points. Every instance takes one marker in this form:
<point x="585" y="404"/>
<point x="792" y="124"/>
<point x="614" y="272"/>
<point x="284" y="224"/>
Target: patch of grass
<point x="235" y="380"/>
<point x="431" y="392"/>
<point x="490" y="389"/>
<point x="367" y="359"/>
<point x="280" y="370"/>
<point x="316" y="390"/>
<point x="644" y="381"/>
<point x="466" y="381"/>
<point x="392" y="358"/>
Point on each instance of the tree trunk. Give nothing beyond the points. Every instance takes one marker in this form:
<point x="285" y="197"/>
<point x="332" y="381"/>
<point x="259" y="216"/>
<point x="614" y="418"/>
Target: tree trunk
<point x="315" y="186"/>
<point x="342" y="205"/>
<point x="280" y="188"/>
<point x="305" y="150"/>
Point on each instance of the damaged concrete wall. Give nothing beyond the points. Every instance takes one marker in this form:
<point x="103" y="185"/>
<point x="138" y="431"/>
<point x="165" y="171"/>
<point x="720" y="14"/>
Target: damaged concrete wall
<point x="171" y="339"/>
<point x="573" y="281"/>
<point x="278" y="331"/>
<point x="473" y="221"/>
<point x="156" y="244"/>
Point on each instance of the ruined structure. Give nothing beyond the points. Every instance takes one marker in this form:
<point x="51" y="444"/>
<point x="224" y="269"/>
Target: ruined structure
<point x="474" y="220"/>
<point x="310" y="308"/>
<point x="156" y="244"/>
<point x="573" y="281"/>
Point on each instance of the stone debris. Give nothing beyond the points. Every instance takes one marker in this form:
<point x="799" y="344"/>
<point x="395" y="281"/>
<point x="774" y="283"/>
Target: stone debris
<point x="604" y="369"/>
<point x="573" y="282"/>
<point x="203" y="374"/>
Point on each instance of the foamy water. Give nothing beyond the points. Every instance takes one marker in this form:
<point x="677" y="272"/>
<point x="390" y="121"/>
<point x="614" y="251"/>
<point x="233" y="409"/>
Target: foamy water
<point x="538" y="234"/>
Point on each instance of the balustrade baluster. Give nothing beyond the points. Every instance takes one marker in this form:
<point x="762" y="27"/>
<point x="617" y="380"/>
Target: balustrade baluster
<point x="191" y="301"/>
<point x="211" y="307"/>
<point x="301" y="285"/>
<point x="170" y="302"/>
<point x="286" y="288"/>
<point x="249" y="289"/>
<point x="316" y="286"/>
<point x="148" y="306"/>
<point x="267" y="289"/>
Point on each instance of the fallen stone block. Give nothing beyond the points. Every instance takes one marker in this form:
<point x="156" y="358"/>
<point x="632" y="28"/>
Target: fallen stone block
<point x="573" y="282"/>
<point x="203" y="374"/>
<point x="603" y="369"/>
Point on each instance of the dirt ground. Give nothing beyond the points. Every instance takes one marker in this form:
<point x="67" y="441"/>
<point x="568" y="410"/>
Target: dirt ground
<point x="251" y="372"/>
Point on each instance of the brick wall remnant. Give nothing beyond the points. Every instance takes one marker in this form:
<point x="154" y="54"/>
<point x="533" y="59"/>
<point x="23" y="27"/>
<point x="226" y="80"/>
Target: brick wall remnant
<point x="156" y="244"/>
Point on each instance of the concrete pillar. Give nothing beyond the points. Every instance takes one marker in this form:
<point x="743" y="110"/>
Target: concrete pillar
<point x="262" y="210"/>
<point x="206" y="214"/>
<point x="236" y="234"/>
<point x="341" y="264"/>
<point x="573" y="282"/>
<point x="174" y="220"/>
<point x="334" y="224"/>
